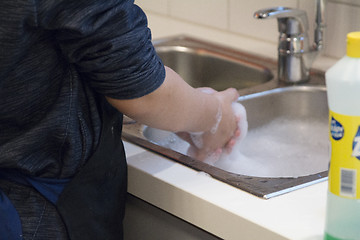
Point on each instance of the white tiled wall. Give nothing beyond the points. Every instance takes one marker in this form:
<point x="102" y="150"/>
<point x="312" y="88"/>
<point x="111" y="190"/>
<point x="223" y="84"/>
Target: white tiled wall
<point x="213" y="13"/>
<point x="236" y="17"/>
<point x="241" y="18"/>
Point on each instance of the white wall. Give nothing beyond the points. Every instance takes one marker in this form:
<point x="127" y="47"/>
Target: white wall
<point x="235" y="17"/>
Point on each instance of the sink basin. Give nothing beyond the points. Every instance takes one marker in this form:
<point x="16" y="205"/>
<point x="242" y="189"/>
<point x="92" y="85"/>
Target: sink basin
<point x="286" y="147"/>
<point x="203" y="64"/>
<point x="288" y="133"/>
<point x="287" y="136"/>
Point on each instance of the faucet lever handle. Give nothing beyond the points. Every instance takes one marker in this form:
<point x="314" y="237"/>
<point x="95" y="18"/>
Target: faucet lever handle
<point x="290" y="21"/>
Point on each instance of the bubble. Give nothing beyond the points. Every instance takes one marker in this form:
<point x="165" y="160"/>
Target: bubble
<point x="281" y="148"/>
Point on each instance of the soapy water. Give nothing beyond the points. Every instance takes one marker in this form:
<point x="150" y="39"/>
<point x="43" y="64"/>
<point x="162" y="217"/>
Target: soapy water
<point x="281" y="148"/>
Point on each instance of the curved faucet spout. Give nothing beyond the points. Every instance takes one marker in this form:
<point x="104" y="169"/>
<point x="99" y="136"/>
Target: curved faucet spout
<point x="294" y="51"/>
<point x="291" y="21"/>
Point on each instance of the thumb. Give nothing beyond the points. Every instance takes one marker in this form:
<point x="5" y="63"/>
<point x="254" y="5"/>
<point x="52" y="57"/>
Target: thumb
<point x="233" y="94"/>
<point x="230" y="95"/>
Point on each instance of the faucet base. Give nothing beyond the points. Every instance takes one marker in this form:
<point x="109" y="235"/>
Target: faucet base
<point x="293" y="68"/>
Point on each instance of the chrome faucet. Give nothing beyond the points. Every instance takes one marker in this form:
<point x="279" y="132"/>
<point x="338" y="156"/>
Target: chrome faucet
<point x="295" y="55"/>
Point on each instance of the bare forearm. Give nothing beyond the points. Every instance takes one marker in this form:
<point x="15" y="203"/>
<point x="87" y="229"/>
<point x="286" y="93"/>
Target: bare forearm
<point x="174" y="106"/>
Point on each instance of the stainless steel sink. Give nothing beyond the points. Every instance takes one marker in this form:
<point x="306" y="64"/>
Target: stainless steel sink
<point x="203" y="64"/>
<point x="285" y="149"/>
<point x="286" y="146"/>
<point x="288" y="134"/>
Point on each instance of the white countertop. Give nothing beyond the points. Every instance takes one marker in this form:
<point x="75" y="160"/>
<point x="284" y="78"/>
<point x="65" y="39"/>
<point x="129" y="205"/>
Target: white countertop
<point x="221" y="209"/>
<point x="212" y="205"/>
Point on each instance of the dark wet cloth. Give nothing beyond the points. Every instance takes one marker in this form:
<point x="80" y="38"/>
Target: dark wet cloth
<point x="57" y="60"/>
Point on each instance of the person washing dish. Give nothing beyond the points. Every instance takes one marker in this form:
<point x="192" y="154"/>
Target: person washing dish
<point x="68" y="71"/>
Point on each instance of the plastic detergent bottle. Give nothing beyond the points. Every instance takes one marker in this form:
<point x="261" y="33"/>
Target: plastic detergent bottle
<point x="343" y="90"/>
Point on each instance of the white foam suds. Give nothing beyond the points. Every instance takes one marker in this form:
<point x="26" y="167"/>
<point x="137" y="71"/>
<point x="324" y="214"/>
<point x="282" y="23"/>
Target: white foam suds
<point x="281" y="148"/>
<point x="239" y="112"/>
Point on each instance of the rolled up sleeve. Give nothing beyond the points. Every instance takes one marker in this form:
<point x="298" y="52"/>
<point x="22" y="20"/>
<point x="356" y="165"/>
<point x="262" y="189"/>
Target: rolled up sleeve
<point x="109" y="42"/>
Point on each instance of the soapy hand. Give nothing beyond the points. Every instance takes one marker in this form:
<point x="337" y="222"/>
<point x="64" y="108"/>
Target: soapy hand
<point x="222" y="137"/>
<point x="242" y="128"/>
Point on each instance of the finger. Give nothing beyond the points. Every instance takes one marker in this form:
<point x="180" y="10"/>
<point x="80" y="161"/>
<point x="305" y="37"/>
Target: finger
<point x="232" y="93"/>
<point x="230" y="145"/>
<point x="237" y="133"/>
<point x="184" y="136"/>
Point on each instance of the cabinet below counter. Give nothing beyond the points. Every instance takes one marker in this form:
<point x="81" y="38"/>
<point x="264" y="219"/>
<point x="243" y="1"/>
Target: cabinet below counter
<point x="220" y="209"/>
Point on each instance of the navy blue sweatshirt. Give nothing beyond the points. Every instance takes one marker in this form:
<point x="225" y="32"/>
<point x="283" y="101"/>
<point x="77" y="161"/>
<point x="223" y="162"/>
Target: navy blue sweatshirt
<point x="55" y="57"/>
